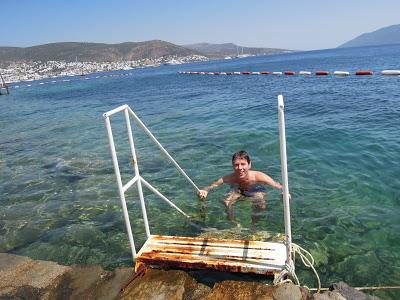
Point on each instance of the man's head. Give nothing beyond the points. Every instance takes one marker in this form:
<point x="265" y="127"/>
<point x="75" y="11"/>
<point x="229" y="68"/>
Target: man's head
<point x="241" y="163"/>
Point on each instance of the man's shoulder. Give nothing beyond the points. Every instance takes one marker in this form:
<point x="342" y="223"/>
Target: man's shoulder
<point x="258" y="174"/>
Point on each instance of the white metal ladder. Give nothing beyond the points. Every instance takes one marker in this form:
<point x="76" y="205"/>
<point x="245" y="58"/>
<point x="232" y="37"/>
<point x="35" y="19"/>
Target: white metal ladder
<point x="139" y="180"/>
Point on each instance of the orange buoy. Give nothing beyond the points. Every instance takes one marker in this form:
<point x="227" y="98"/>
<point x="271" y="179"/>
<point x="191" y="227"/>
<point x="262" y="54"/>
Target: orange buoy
<point x="264" y="73"/>
<point x="364" y="72"/>
<point x="321" y="73"/>
<point x="289" y="73"/>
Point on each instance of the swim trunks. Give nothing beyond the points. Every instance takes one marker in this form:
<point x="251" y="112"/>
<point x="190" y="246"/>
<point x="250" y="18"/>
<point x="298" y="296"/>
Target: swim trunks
<point x="255" y="188"/>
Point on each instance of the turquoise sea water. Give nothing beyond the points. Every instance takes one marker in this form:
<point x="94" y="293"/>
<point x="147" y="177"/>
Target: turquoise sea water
<point x="59" y="198"/>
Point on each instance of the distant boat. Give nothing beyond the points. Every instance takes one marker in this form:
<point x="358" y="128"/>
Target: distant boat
<point x="227" y="57"/>
<point x="243" y="55"/>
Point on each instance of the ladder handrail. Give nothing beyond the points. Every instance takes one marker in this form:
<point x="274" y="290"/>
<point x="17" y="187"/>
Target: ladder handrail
<point x="165" y="152"/>
<point x="120" y="187"/>
<point x="152" y="137"/>
<point x="138" y="179"/>
<point x="285" y="181"/>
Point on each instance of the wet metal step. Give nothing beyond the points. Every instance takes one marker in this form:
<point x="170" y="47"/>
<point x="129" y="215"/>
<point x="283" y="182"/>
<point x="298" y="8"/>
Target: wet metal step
<point x="267" y="258"/>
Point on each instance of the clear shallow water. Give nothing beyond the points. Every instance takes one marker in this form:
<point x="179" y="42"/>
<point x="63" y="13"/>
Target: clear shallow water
<point x="58" y="194"/>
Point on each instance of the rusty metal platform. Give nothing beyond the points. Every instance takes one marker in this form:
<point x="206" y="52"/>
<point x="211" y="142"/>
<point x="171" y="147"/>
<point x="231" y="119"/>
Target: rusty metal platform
<point x="267" y="258"/>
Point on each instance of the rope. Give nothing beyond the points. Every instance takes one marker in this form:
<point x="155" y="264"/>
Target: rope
<point x="378" y="287"/>
<point x="365" y="288"/>
<point x="308" y="261"/>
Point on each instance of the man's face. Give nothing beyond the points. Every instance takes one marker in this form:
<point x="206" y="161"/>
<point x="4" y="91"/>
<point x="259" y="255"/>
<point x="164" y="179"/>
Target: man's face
<point x="241" y="167"/>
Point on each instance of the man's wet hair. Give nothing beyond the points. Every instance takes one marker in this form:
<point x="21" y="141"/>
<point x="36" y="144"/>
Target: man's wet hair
<point x="242" y="155"/>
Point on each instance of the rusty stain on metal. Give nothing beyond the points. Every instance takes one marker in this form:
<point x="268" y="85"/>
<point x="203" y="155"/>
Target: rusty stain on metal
<point x="206" y="253"/>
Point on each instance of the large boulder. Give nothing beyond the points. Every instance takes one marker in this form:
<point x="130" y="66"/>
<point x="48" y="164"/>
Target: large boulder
<point x="290" y="291"/>
<point x="24" y="278"/>
<point x="240" y="290"/>
<point x="92" y="282"/>
<point x="163" y="285"/>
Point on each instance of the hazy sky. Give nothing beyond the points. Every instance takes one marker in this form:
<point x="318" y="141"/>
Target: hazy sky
<point x="290" y="24"/>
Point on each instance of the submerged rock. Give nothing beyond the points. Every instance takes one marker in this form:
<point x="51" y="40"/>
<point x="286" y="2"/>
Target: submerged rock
<point x="240" y="233"/>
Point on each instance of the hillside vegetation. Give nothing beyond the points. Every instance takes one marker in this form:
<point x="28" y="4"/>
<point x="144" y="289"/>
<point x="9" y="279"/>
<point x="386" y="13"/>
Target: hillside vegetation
<point x="94" y="52"/>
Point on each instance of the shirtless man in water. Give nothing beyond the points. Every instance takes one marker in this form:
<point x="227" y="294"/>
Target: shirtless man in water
<point x="244" y="183"/>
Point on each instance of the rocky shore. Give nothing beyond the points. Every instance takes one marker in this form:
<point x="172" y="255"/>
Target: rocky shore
<point x="24" y="278"/>
<point x="36" y="70"/>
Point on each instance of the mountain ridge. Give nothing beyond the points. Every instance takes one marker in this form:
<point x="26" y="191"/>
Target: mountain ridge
<point x="94" y="52"/>
<point x="230" y="49"/>
<point x="126" y="51"/>
<point x="383" y="36"/>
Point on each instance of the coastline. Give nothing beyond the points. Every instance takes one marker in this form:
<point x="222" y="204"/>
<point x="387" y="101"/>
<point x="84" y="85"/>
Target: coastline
<point x="37" y="70"/>
<point x="24" y="278"/>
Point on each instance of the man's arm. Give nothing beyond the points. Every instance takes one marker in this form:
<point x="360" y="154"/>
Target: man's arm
<point x="264" y="178"/>
<point x="204" y="192"/>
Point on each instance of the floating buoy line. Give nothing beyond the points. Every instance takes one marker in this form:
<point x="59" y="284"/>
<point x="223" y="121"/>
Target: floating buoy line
<point x="301" y="73"/>
<point x="393" y="73"/>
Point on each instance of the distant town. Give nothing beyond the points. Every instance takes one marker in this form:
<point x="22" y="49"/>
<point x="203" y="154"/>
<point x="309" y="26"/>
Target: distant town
<point x="36" y="70"/>
<point x="80" y="58"/>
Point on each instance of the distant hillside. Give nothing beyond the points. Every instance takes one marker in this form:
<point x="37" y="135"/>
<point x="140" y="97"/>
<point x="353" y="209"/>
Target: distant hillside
<point x="98" y="52"/>
<point x="383" y="36"/>
<point x="94" y="51"/>
<point x="229" y="49"/>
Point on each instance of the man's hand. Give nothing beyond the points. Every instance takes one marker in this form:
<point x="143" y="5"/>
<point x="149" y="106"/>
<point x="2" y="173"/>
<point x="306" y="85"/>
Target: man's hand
<point x="202" y="194"/>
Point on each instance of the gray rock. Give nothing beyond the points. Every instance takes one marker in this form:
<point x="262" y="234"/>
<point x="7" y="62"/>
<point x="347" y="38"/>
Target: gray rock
<point x="287" y="291"/>
<point x="329" y="295"/>
<point x="351" y="293"/>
